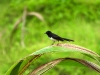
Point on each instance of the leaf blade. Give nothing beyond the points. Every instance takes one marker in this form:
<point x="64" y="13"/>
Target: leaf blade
<point x="42" y="69"/>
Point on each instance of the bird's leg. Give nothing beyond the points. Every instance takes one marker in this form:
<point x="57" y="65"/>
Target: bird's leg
<point x="58" y="43"/>
<point x="53" y="42"/>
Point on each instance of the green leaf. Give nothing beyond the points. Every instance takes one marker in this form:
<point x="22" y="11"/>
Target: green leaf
<point x="42" y="69"/>
<point x="20" y="67"/>
<point x="14" y="69"/>
<point x="65" y="48"/>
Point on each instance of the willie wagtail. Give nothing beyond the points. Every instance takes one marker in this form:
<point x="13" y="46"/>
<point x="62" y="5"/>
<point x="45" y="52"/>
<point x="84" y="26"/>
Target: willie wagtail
<point x="55" y="37"/>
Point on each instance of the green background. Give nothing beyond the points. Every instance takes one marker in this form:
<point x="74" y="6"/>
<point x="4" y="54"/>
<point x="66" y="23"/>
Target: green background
<point x="75" y="19"/>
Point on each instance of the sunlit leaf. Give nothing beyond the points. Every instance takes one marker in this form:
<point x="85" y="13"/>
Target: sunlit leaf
<point x="21" y="66"/>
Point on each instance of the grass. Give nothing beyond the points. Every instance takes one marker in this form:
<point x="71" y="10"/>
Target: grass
<point x="85" y="33"/>
<point x="53" y="49"/>
<point x="82" y="32"/>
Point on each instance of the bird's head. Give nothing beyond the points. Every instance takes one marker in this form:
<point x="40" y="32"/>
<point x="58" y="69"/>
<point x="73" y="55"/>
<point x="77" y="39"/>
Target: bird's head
<point x="48" y="32"/>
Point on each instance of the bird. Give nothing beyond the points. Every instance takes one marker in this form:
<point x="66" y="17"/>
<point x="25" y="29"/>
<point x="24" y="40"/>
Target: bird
<point x="55" y="37"/>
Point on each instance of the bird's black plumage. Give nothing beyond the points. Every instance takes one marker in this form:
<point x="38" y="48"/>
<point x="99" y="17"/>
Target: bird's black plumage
<point x="56" y="37"/>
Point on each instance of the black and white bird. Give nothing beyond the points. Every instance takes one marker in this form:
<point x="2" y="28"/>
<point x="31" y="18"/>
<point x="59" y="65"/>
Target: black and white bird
<point x="55" y="37"/>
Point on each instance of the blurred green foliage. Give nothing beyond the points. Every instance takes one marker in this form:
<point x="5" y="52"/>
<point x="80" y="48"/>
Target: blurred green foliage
<point x="60" y="9"/>
<point x="75" y="19"/>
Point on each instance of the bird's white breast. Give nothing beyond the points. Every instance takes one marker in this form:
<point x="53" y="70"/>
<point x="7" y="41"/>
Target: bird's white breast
<point x="52" y="38"/>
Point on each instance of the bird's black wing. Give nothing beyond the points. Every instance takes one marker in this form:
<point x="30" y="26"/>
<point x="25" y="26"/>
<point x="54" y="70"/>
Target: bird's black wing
<point x="57" y="37"/>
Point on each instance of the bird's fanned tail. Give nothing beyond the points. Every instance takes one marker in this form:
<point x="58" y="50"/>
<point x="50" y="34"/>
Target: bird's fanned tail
<point x="68" y="39"/>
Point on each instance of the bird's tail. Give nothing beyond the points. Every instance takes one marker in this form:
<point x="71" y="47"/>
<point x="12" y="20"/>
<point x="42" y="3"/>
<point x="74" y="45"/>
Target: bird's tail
<point x="68" y="39"/>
